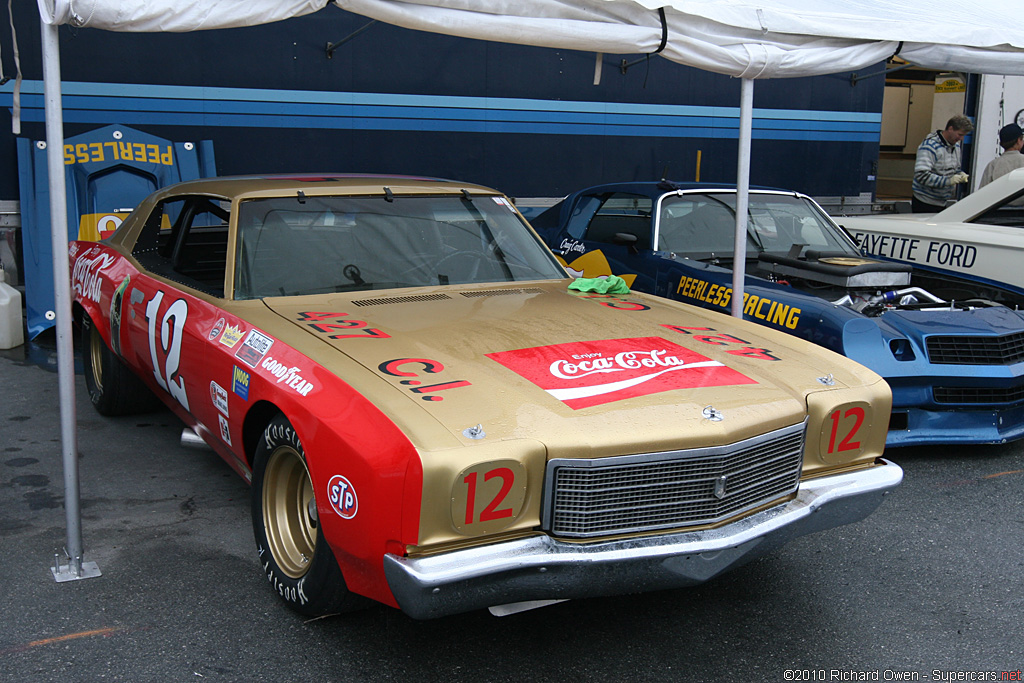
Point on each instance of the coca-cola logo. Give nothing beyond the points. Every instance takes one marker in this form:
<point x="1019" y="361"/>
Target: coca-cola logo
<point x="584" y="374"/>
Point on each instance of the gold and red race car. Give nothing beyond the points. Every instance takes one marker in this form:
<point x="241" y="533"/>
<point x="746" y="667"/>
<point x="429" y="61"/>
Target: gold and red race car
<point x="430" y="418"/>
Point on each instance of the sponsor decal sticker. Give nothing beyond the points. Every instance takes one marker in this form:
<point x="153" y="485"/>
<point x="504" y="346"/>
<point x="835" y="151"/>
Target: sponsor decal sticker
<point x="231" y="336"/>
<point x="217" y="328"/>
<point x="340" y="326"/>
<point x="225" y="433"/>
<point x="723" y="339"/>
<point x="240" y="383"/>
<point x="254" y="348"/>
<point x="343" y="497"/>
<point x="772" y="312"/>
<point x="572" y="246"/>
<point x="585" y="374"/>
<point x="85" y="275"/>
<point x="400" y="367"/>
<point x="116" y="304"/>
<point x="219" y="396"/>
<point x="289" y="375"/>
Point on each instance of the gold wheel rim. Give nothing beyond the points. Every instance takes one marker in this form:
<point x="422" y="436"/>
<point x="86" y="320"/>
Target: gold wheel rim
<point x="96" y="357"/>
<point x="289" y="511"/>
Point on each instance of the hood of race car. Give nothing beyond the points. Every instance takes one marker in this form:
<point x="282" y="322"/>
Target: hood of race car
<point x="584" y="374"/>
<point x="995" y="320"/>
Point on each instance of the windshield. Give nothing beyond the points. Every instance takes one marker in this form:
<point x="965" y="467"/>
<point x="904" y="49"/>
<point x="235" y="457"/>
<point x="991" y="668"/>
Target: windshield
<point x="288" y="247"/>
<point x="703" y="225"/>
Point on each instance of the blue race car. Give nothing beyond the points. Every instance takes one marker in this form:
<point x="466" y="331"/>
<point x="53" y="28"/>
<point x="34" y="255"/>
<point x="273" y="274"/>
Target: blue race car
<point x="956" y="367"/>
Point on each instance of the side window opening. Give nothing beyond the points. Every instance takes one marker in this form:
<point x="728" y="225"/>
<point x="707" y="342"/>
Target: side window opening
<point x="186" y="240"/>
<point x="622" y="212"/>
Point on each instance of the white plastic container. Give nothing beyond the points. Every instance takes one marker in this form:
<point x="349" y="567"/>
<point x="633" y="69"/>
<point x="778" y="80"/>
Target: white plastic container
<point x="12" y="331"/>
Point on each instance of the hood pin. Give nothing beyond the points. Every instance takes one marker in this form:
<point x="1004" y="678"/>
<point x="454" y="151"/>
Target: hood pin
<point x="474" y="432"/>
<point x="712" y="414"/>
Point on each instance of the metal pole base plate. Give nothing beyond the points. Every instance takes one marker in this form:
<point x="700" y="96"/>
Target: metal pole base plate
<point x="70" y="572"/>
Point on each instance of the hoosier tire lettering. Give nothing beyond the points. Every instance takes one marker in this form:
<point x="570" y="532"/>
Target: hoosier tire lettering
<point x="294" y="555"/>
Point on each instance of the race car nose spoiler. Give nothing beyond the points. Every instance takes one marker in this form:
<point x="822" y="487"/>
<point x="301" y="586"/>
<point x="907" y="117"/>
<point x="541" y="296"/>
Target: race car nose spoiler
<point x="543" y="568"/>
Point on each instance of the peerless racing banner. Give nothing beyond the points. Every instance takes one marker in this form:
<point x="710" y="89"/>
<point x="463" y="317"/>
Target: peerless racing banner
<point x="584" y="374"/>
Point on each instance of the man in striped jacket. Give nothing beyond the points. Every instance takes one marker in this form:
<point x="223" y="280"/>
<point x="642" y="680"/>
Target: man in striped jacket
<point x="937" y="168"/>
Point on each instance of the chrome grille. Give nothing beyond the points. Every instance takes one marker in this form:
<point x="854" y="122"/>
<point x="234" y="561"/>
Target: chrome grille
<point x="971" y="350"/>
<point x="625" y="494"/>
<point x="978" y="395"/>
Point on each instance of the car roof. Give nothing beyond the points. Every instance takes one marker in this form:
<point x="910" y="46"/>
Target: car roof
<point x="658" y="187"/>
<point x="320" y="184"/>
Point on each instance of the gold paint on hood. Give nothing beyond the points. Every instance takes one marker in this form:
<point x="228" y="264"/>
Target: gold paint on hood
<point x="430" y="345"/>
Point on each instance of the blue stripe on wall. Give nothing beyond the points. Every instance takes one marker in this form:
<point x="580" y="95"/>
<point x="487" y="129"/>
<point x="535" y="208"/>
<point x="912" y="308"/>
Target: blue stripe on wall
<point x="141" y="104"/>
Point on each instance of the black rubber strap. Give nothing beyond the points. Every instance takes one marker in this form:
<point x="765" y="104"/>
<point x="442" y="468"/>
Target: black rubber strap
<point x="664" y="31"/>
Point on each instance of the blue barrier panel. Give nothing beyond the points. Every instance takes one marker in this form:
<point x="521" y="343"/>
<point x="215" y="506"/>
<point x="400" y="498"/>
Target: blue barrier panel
<point x="108" y="171"/>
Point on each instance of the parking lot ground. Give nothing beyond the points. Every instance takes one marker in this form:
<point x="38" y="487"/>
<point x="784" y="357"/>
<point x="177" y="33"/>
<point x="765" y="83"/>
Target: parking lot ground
<point x="931" y="583"/>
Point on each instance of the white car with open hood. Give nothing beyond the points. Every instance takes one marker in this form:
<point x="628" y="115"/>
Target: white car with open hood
<point x="972" y="248"/>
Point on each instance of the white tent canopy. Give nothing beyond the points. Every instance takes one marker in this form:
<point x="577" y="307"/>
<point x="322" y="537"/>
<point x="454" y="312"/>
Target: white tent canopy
<point x="766" y="39"/>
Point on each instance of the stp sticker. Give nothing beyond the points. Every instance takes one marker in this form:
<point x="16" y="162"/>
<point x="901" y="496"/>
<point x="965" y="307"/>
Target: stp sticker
<point x="343" y="497"/>
<point x="585" y="374"/>
<point x="254" y="347"/>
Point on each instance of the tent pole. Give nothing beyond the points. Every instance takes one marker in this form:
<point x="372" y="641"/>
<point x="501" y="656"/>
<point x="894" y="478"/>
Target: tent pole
<point x="739" y="264"/>
<point x="76" y="568"/>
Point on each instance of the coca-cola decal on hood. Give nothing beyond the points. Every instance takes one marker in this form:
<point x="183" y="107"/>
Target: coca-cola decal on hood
<point x="584" y="374"/>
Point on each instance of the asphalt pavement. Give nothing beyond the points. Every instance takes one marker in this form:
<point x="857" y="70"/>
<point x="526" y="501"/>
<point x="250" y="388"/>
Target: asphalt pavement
<point x="931" y="585"/>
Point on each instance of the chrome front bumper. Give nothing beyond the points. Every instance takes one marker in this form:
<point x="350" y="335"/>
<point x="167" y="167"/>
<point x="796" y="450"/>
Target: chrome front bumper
<point x="543" y="568"/>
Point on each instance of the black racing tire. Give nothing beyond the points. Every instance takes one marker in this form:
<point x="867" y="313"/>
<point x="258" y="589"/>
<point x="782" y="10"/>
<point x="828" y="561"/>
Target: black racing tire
<point x="295" y="556"/>
<point x="113" y="388"/>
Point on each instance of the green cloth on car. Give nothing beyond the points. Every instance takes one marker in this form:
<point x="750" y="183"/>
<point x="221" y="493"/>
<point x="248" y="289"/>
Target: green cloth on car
<point x="613" y="284"/>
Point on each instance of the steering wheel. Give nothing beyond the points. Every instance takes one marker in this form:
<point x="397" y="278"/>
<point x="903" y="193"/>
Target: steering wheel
<point x="353" y="273"/>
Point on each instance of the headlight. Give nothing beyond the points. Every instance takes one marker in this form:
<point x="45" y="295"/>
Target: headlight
<point x="846" y="426"/>
<point x="488" y="496"/>
<point x="481" y="489"/>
